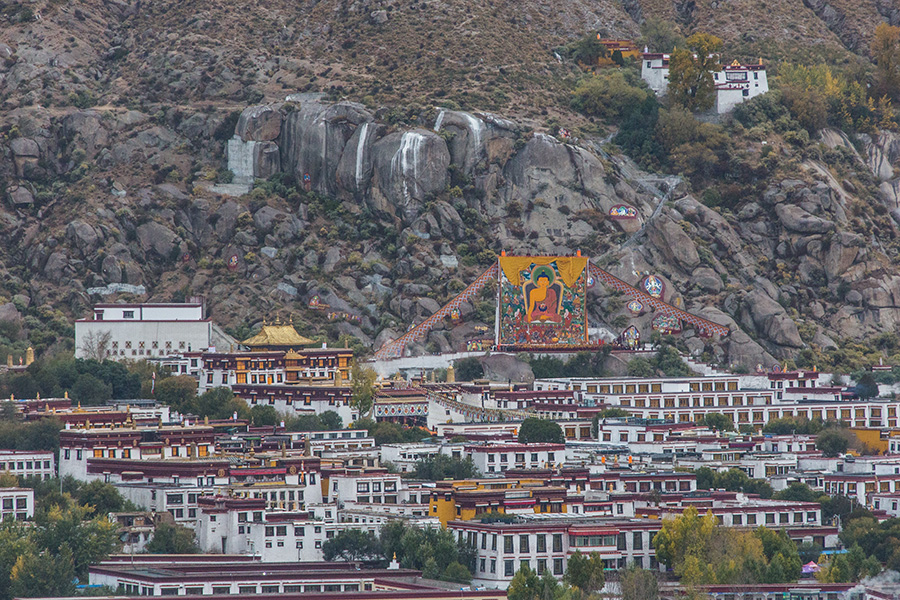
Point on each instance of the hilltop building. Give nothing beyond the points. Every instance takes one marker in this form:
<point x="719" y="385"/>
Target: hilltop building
<point x="734" y="84"/>
<point x="625" y="47"/>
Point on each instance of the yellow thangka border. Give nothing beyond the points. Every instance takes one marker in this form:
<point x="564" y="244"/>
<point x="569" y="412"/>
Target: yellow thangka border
<point x="570" y="267"/>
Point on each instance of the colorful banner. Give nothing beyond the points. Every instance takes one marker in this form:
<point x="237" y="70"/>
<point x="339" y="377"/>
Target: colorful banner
<point x="542" y="301"/>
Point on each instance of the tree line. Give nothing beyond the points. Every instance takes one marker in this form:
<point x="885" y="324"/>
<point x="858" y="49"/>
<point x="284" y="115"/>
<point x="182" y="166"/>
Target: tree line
<point x="434" y="551"/>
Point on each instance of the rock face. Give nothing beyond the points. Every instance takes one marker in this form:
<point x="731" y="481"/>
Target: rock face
<point x="772" y="321"/>
<point x="259" y="124"/>
<point x="404" y="216"/>
<point x="797" y="219"/>
<point x="408" y="167"/>
<point x="500" y="367"/>
<point x="156" y="238"/>
<point x="672" y="240"/>
<point x="314" y="137"/>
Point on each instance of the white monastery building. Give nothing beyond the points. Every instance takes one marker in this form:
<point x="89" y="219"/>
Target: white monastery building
<point x="139" y="331"/>
<point x="735" y="83"/>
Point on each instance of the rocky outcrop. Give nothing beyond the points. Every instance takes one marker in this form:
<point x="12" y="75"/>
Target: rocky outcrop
<point x="835" y="19"/>
<point x="441" y="192"/>
<point x="795" y="218"/>
<point x="157" y="239"/>
<point x="672" y="240"/>
<point x="501" y="367"/>
<point x="770" y="320"/>
<point x="82" y="236"/>
<point x="408" y="167"/>
<point x="314" y="137"/>
<point x="26" y="154"/>
<point x="259" y="124"/>
<point x="475" y="138"/>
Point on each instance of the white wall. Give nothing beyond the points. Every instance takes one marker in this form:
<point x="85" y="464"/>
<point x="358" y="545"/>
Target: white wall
<point x="182" y="336"/>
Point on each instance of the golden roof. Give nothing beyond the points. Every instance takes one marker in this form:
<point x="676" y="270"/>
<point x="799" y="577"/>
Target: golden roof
<point x="278" y="335"/>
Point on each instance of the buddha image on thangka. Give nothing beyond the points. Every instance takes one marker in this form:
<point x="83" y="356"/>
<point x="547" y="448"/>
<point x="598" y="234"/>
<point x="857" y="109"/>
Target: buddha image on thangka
<point x="542" y="301"/>
<point x="543" y="295"/>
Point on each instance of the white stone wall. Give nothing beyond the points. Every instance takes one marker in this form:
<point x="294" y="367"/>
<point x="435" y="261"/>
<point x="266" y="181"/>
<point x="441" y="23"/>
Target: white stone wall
<point x="126" y="337"/>
<point x="16" y="504"/>
<point x="28" y="464"/>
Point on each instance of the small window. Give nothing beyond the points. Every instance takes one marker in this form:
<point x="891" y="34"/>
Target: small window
<point x="127" y="314"/>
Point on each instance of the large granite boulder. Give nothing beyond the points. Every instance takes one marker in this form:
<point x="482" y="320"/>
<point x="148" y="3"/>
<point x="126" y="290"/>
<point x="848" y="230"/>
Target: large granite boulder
<point x="259" y="124"/>
<point x="354" y="172"/>
<point x="408" y="167"/>
<point x="476" y="138"/>
<point x="313" y="139"/>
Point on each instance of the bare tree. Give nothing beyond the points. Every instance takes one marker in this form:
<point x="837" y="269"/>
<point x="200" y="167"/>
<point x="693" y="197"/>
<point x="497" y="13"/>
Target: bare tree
<point x="95" y="345"/>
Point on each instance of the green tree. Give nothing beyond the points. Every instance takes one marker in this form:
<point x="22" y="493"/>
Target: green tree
<point x="90" y="541"/>
<point x="331" y="421"/>
<point x="102" y="498"/>
<point x="172" y="539"/>
<point x="534" y="430"/>
<point x="691" y="83"/>
<point x="14" y="543"/>
<point x="90" y="390"/>
<point x="23" y="386"/>
<point x="46" y="574"/>
<point x="866" y="387"/>
<point x="670" y="363"/>
<point x="525" y="585"/>
<point x="641" y="367"/>
<point x="418" y="548"/>
<point x="798" y="425"/>
<point x="608" y="94"/>
<point x="218" y="403"/>
<point x="264" y="415"/>
<point x="354" y="544"/>
<point x="660" y="35"/>
<point x="468" y="369"/>
<point x="718" y="421"/>
<point x="585" y="572"/>
<point x="886" y="54"/>
<point x="781" y="554"/>
<point x="850" y="567"/>
<point x="437" y="467"/>
<point x="683" y="540"/>
<point x="831" y="443"/>
<point x="587" y="50"/>
<point x="638" y="584"/>
<point x="457" y="573"/>
<point x="836" y="506"/>
<point x="797" y="492"/>
<point x="362" y="389"/>
<point x="176" y="391"/>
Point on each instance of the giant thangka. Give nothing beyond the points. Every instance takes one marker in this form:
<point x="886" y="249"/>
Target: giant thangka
<point x="542" y="301"/>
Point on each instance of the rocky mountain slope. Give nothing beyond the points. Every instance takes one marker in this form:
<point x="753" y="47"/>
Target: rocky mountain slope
<point x="116" y="117"/>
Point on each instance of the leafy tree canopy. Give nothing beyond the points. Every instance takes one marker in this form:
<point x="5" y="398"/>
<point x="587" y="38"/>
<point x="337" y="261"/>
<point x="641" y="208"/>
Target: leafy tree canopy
<point x="534" y="430"/>
<point x="440" y="466"/>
